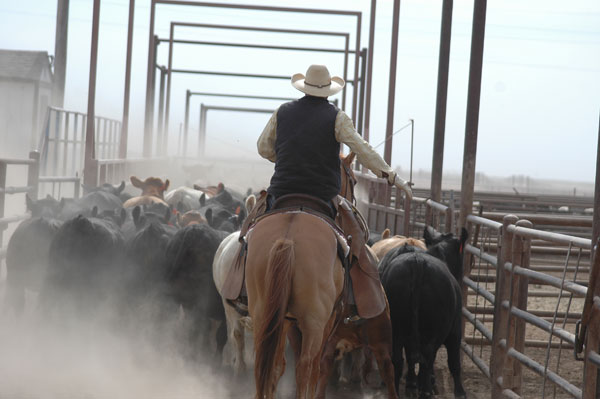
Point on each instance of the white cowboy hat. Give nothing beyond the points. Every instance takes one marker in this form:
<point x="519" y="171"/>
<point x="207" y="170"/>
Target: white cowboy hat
<point x="318" y="82"/>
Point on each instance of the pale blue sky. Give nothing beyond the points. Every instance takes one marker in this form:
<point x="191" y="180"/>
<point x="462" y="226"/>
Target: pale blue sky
<point x="540" y="91"/>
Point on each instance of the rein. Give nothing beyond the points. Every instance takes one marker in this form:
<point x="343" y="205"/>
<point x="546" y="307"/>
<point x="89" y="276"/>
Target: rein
<point x="349" y="184"/>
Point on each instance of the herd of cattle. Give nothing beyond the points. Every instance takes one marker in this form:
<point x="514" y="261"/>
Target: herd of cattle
<point x="166" y="251"/>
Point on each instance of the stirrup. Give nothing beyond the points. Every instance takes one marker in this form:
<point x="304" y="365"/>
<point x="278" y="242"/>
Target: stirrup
<point x="239" y="306"/>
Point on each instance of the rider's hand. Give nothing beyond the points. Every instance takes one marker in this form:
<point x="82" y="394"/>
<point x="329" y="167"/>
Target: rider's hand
<point x="394" y="179"/>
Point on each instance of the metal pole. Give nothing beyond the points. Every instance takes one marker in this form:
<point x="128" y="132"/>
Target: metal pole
<point x="387" y="152"/>
<point x="149" y="113"/>
<point x="201" y="132"/>
<point x="125" y="124"/>
<point x="474" y="94"/>
<point x="369" y="79"/>
<point x="345" y="71"/>
<point x="355" y="86"/>
<point x="89" y="174"/>
<point x="412" y="140"/>
<point x="60" y="53"/>
<point x="169" y="70"/>
<point x="440" y="107"/>
<point x="161" y="108"/>
<point x="361" y="97"/>
<point x="596" y="221"/>
<point x="187" y="116"/>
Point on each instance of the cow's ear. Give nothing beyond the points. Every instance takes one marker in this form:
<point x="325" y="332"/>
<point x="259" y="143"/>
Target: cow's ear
<point x="136" y="215"/>
<point x="386" y="234"/>
<point x="123" y="216"/>
<point x="197" y="187"/>
<point x="464" y="235"/>
<point x="136" y="182"/>
<point x="166" y="185"/>
<point x="121" y="187"/>
<point x="202" y="200"/>
<point x="95" y="212"/>
<point x="209" y="217"/>
<point x="427" y="236"/>
<point x="168" y="213"/>
<point x="220" y="187"/>
<point x="31" y="204"/>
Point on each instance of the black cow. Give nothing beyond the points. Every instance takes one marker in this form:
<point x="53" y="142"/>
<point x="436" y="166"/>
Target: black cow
<point x="109" y="188"/>
<point x="85" y="266"/>
<point x="191" y="285"/>
<point x="100" y="199"/>
<point x="425" y="300"/>
<point x="227" y="210"/>
<point x="27" y="251"/>
<point x="146" y="255"/>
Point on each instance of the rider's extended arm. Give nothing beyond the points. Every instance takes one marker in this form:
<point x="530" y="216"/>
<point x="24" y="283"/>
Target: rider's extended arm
<point x="345" y="133"/>
<point x="266" y="141"/>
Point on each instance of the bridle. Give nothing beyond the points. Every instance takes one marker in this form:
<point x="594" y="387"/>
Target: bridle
<point x="348" y="187"/>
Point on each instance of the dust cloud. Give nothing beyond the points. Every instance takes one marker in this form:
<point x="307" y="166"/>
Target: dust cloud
<point x="68" y="357"/>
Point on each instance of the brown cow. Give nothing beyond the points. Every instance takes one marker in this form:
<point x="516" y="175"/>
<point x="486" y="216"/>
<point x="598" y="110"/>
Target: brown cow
<point x="152" y="188"/>
<point x="190" y="217"/>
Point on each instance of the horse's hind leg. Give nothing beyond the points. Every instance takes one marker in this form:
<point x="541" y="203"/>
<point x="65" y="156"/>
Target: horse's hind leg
<point x="326" y="367"/>
<point x="381" y="344"/>
<point x="312" y="338"/>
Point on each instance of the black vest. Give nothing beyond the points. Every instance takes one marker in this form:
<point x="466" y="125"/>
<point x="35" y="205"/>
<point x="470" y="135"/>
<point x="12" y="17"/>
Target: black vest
<point x="307" y="153"/>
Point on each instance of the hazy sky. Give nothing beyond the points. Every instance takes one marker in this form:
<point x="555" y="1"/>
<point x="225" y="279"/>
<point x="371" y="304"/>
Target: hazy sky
<point x="540" y="97"/>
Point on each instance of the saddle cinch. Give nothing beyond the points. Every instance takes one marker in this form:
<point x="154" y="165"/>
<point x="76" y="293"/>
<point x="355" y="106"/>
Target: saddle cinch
<point x="352" y="234"/>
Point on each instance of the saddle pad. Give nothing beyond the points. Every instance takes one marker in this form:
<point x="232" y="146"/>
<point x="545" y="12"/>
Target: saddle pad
<point x="338" y="234"/>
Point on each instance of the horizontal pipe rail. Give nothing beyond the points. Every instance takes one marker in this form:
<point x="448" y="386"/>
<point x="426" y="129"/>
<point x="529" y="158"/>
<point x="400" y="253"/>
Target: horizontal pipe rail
<point x="529" y="343"/>
<point x="547" y="279"/>
<point x="479" y="326"/>
<point x="484" y="222"/>
<point x="16" y="190"/>
<point x="541" y="323"/>
<point x="550" y="236"/>
<point x="59" y="179"/>
<point x="260" y="46"/>
<point x="5" y="221"/>
<point x="478" y="361"/>
<point x="539" y="313"/>
<point x="539" y="370"/>
<point x="241" y="109"/>
<point x="480" y="254"/>
<point x="237" y="74"/>
<point x="258" y="8"/>
<point x="483" y="292"/>
<point x="200" y="93"/>
<point x="13" y="161"/>
<point x="594" y="358"/>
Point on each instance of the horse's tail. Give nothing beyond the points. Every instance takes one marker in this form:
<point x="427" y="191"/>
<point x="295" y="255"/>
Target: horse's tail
<point x="268" y="331"/>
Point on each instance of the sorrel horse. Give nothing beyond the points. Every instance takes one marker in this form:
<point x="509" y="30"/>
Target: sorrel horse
<point x="294" y="279"/>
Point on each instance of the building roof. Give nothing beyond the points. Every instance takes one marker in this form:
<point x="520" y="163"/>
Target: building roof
<point x="28" y="65"/>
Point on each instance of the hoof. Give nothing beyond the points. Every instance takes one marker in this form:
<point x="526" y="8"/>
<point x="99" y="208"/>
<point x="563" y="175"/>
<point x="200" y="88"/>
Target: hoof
<point x="410" y="392"/>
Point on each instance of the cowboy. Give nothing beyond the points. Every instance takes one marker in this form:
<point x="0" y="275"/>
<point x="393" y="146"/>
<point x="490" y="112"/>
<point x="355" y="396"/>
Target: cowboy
<point x="303" y="139"/>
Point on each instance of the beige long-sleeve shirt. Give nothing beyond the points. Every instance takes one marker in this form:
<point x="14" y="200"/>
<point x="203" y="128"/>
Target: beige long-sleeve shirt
<point x="344" y="133"/>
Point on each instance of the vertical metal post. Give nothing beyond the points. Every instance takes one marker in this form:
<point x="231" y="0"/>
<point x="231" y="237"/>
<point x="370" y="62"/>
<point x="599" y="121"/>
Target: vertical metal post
<point x="356" y="54"/>
<point x="125" y="123"/>
<point x="346" y="50"/>
<point x="412" y="140"/>
<point x="369" y="79"/>
<point x="387" y="152"/>
<point x="89" y="168"/>
<point x="33" y="174"/>
<point x="161" y="109"/>
<point x="596" y="221"/>
<point x="186" y="121"/>
<point x="361" y="97"/>
<point x="501" y="294"/>
<point x="170" y="67"/>
<point x="441" y="100"/>
<point x="60" y="53"/>
<point x="3" y="167"/>
<point x="149" y="113"/>
<point x="201" y="133"/>
<point x="474" y="94"/>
